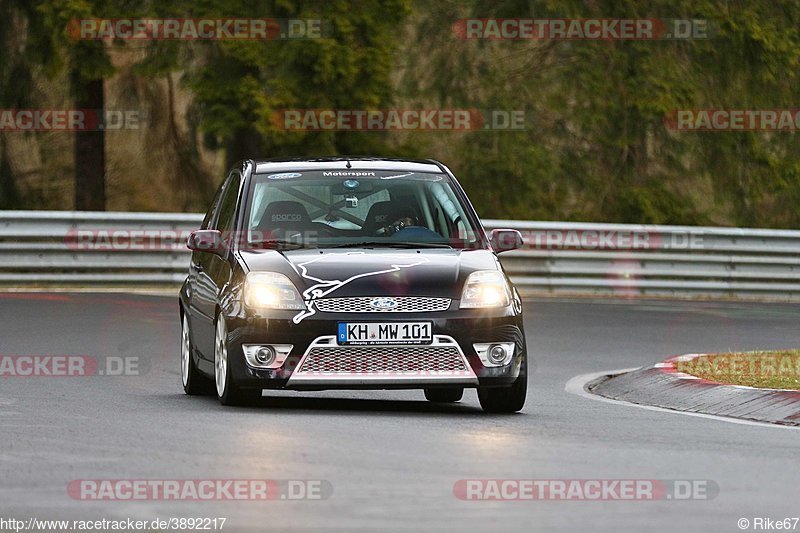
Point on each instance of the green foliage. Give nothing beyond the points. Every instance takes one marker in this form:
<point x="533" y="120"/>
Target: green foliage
<point x="238" y="85"/>
<point x="595" y="145"/>
<point x="597" y="110"/>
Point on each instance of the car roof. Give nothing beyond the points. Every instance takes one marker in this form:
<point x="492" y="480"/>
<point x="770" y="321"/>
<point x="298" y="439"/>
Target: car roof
<point x="348" y="163"/>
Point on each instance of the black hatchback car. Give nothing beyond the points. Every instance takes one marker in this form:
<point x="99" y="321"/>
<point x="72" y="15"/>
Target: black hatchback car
<point x="356" y="273"/>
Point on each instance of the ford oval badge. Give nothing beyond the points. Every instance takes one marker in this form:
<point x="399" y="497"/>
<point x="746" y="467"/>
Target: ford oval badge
<point x="384" y="303"/>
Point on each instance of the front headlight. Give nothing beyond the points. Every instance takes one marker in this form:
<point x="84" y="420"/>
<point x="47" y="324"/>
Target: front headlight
<point x="271" y="290"/>
<point x="485" y="288"/>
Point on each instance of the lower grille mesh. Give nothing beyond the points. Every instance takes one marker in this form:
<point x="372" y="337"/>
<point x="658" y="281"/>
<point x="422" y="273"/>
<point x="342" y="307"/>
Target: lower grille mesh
<point x="383" y="359"/>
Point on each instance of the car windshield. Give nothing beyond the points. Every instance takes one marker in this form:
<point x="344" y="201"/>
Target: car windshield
<point x="338" y="208"/>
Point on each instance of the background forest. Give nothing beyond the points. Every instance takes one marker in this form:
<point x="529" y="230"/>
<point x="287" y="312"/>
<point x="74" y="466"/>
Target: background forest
<point x="595" y="146"/>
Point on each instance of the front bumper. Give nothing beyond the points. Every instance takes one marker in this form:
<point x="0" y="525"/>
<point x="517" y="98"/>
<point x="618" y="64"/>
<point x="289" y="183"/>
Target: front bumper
<point x="326" y="363"/>
<point x="450" y="360"/>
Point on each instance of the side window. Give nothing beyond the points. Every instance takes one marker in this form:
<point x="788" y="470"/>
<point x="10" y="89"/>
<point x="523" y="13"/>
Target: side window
<point x="437" y="214"/>
<point x="213" y="209"/>
<point x="227" y="206"/>
<point x="452" y="212"/>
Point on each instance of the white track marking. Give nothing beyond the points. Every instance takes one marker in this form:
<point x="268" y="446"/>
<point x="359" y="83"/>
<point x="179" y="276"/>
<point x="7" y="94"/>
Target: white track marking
<point x="577" y="386"/>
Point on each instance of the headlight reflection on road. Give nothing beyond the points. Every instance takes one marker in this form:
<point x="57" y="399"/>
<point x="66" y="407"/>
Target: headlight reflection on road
<point x="489" y="441"/>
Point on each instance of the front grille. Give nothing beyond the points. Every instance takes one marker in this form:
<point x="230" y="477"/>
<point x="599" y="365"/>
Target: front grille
<point x="363" y="304"/>
<point x="383" y="360"/>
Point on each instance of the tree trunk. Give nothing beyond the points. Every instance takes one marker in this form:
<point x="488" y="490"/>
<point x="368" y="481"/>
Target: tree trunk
<point x="90" y="147"/>
<point x="245" y="144"/>
<point x="9" y="195"/>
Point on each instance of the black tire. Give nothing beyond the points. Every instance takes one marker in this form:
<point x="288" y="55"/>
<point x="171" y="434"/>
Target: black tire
<point x="194" y="382"/>
<point x="239" y="397"/>
<point x="227" y="391"/>
<point x="506" y="399"/>
<point x="444" y="395"/>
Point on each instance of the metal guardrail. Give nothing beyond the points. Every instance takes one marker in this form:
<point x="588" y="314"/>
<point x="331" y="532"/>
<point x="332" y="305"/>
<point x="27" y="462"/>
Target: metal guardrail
<point x="147" y="249"/>
<point x="640" y="260"/>
<point x="76" y="248"/>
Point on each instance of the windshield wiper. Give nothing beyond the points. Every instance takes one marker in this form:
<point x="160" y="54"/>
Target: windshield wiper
<point x="277" y="244"/>
<point x="390" y="244"/>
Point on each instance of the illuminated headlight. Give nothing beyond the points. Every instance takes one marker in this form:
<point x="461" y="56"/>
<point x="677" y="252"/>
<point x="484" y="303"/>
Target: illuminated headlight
<point x="270" y="290"/>
<point x="485" y="288"/>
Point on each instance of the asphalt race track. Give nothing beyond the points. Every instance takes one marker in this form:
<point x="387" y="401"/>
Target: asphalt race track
<point x="391" y="457"/>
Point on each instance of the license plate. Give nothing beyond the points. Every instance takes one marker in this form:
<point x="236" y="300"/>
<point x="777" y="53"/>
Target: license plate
<point x="384" y="333"/>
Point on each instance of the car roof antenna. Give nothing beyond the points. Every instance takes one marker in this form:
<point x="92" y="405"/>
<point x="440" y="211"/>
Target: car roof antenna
<point x="348" y="165"/>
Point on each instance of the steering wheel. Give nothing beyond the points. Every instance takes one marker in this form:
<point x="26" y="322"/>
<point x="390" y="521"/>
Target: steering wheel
<point x="398" y="225"/>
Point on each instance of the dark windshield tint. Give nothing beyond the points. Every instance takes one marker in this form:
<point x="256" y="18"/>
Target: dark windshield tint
<point x="335" y="208"/>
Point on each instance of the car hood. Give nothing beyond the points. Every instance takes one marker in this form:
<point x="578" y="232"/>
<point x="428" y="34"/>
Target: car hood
<point x="370" y="272"/>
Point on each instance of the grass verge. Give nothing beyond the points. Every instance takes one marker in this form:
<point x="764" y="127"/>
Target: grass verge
<point x="767" y="370"/>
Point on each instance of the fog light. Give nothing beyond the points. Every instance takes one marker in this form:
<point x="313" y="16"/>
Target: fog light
<point x="265" y="355"/>
<point x="497" y="354"/>
<point x="494" y="354"/>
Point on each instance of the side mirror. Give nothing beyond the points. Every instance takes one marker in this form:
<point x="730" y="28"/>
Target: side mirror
<point x="205" y="240"/>
<point x="503" y="240"/>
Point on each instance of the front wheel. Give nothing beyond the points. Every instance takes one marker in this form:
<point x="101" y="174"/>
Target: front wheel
<point x="506" y="399"/>
<point x="227" y="391"/>
<point x="194" y="383"/>
<point x="445" y="395"/>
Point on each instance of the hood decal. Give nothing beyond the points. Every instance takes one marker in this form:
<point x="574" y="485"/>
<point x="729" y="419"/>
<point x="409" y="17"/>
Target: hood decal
<point x="323" y="287"/>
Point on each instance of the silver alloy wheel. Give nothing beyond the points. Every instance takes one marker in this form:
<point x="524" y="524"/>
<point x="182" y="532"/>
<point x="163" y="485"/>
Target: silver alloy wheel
<point x="185" y="351"/>
<point x="221" y="356"/>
